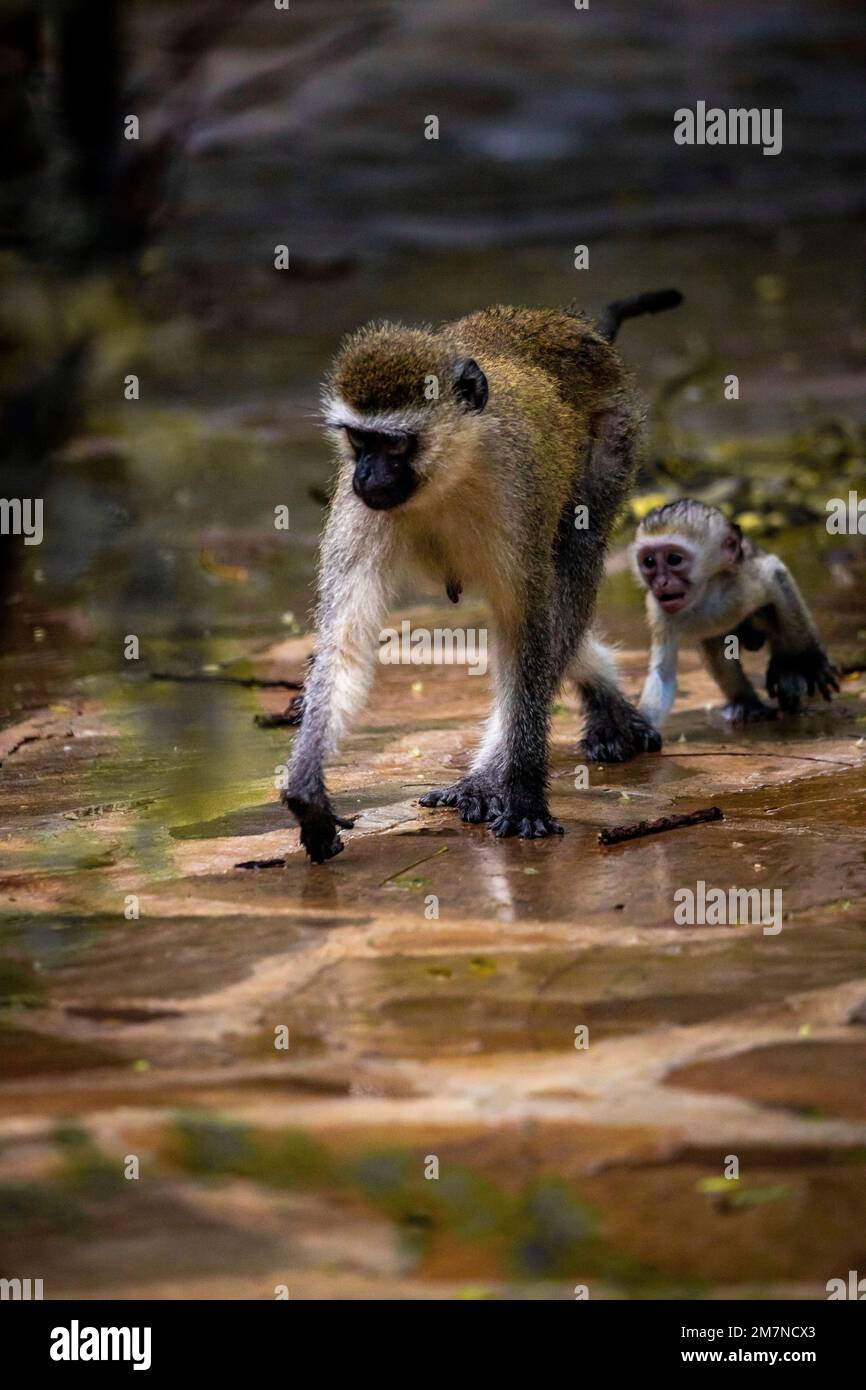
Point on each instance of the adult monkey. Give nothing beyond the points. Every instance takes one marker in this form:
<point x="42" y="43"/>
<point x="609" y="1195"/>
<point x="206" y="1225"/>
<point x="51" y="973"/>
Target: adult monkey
<point x="465" y="454"/>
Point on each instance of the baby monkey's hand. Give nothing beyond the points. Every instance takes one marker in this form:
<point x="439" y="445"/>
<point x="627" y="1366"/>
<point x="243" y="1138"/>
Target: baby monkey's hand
<point x="790" y="675"/>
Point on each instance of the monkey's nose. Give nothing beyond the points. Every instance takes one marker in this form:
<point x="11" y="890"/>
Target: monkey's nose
<point x="379" y="485"/>
<point x="371" y="480"/>
<point x="363" y="474"/>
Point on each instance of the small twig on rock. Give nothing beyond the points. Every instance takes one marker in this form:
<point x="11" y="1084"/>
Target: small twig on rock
<point x="32" y="738"/>
<point x="398" y="873"/>
<point x="758" y="753"/>
<point x="203" y="678"/>
<point x="289" y="719"/>
<point x="278" y="863"/>
<point x="617" y="834"/>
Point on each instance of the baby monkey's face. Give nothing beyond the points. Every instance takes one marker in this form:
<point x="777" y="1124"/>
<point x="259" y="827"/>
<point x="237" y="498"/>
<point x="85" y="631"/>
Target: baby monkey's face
<point x="667" y="570"/>
<point x="384" y="477"/>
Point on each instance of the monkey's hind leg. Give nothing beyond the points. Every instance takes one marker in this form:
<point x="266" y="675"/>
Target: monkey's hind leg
<point x="798" y="665"/>
<point x="744" y="704"/>
<point x="791" y="676"/>
<point x="615" y="729"/>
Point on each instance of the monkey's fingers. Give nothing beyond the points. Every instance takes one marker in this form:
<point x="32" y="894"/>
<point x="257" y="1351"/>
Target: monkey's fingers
<point x="740" y="712"/>
<point x="318" y="825"/>
<point x="319" y="847"/>
<point x="439" y="796"/>
<point x="787" y="682"/>
<point x="616" y="743"/>
<point x="527" y="827"/>
<point x="772" y="681"/>
<point x="790" y="691"/>
<point x="828" y="681"/>
<point x="549" y="826"/>
<point x="345" y="822"/>
<point x="324" y="854"/>
<point x="503" y="827"/>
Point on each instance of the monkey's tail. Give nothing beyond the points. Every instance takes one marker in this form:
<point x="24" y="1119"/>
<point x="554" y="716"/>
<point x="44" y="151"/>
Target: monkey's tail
<point x="621" y="309"/>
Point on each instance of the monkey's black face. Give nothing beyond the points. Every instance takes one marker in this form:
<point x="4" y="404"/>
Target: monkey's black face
<point x="384" y="477"/>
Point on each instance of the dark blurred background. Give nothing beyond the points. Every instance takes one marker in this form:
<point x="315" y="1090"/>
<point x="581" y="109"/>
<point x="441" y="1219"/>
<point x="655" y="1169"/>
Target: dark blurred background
<point x="305" y="127"/>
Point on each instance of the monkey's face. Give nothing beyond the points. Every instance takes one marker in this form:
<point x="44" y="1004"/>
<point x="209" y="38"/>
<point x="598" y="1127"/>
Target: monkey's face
<point x="666" y="567"/>
<point x="400" y="403"/>
<point x="384" y="477"/>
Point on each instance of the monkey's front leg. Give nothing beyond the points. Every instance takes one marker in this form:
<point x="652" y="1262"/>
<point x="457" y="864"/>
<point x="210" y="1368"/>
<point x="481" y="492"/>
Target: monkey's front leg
<point x="660" y="686"/>
<point x="744" y="704"/>
<point x="615" y="731"/>
<point x="355" y="563"/>
<point x="305" y="794"/>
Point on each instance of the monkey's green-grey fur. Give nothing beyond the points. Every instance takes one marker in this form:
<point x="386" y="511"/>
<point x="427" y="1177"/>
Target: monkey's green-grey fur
<point x="464" y="454"/>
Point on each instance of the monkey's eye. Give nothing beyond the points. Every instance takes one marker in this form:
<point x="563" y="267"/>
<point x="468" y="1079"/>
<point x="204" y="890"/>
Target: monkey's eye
<point x="395" y="444"/>
<point x="649" y="562"/>
<point x="674" y="558"/>
<point x="358" y="441"/>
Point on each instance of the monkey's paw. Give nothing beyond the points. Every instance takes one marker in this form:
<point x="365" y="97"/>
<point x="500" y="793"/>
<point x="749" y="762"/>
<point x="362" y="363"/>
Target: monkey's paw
<point x="319" y="824"/>
<point x="790" y="675"/>
<point x="523" y="815"/>
<point x="470" y="797"/>
<point x="617" y="740"/>
<point x="741" y="712"/>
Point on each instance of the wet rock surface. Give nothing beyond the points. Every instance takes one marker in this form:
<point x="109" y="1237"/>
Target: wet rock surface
<point x="414" y="1038"/>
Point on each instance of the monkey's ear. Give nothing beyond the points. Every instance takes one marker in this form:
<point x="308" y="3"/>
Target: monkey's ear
<point x="470" y="384"/>
<point x="732" y="545"/>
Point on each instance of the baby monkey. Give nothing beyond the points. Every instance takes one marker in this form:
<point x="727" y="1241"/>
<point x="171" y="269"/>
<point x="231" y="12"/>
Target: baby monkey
<point x="707" y="582"/>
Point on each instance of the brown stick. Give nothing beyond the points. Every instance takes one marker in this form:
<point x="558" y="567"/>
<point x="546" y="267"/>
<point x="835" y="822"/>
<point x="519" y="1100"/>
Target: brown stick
<point x="290" y="717"/>
<point x="289" y="720"/>
<point x="204" y="678"/>
<point x="617" y="834"/>
<point x="758" y="753"/>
